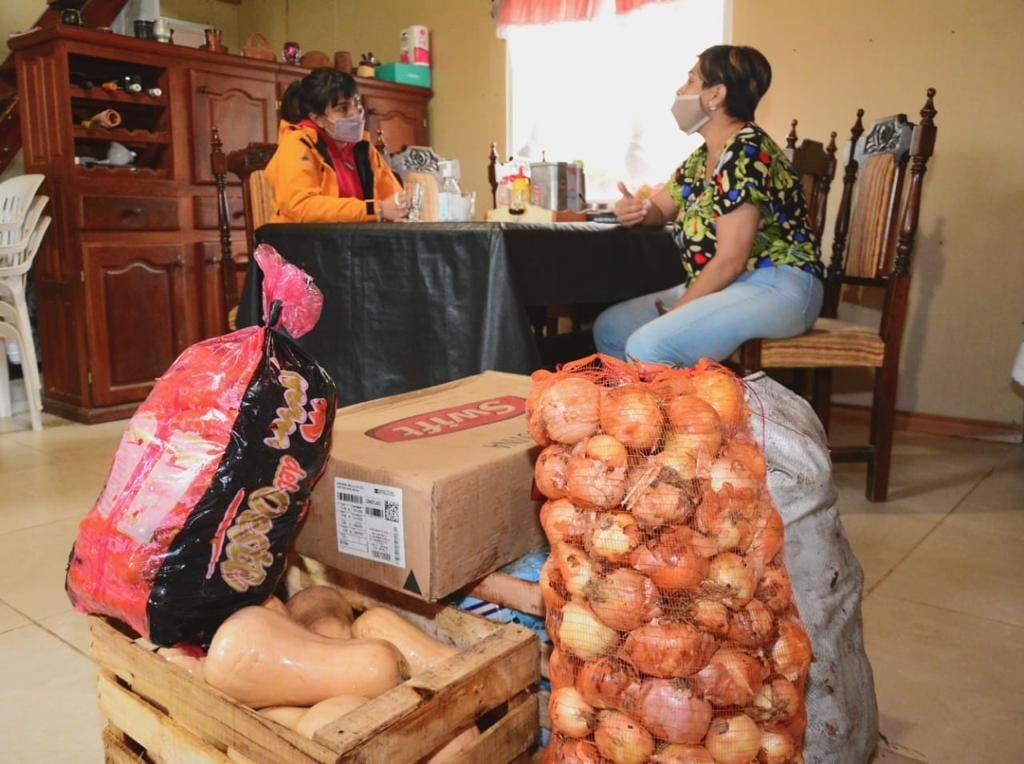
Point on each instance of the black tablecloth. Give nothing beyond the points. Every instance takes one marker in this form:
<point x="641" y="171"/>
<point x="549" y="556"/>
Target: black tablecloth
<point x="407" y="306"/>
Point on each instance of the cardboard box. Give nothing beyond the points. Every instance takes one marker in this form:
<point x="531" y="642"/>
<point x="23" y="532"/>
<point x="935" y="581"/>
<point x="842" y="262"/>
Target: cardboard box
<point x="429" y="491"/>
<point x="407" y="74"/>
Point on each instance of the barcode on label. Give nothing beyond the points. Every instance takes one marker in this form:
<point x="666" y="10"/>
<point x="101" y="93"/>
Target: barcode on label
<point x="375" y="511"/>
<point x="350" y="498"/>
<point x="390" y="511"/>
<point x="380" y="555"/>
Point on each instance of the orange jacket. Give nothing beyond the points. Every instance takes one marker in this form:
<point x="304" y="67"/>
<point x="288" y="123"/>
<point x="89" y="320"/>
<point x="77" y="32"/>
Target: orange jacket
<point x="306" y="188"/>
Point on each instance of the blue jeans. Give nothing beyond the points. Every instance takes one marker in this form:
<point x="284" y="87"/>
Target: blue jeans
<point x="776" y="302"/>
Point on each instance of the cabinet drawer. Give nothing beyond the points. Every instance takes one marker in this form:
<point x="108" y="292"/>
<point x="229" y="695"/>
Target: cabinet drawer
<point x="129" y="213"/>
<point x="204" y="212"/>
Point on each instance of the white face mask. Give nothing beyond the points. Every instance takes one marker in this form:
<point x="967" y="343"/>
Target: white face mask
<point x="689" y="113"/>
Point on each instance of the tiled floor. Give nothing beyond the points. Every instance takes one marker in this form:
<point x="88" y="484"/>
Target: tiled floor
<point x="944" y="616"/>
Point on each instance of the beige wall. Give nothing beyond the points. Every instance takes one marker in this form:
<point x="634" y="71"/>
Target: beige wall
<point x="211" y="13"/>
<point x="967" y="295"/>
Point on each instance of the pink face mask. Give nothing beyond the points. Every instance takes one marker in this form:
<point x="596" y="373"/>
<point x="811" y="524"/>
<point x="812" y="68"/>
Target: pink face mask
<point x="348" y="129"/>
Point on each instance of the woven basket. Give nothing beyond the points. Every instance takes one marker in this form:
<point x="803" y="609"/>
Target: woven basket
<point x="258" y="46"/>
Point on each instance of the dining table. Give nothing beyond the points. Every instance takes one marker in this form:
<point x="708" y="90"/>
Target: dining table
<point x="410" y="305"/>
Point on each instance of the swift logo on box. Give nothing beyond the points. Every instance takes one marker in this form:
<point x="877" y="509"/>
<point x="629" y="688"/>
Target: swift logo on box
<point x="449" y="420"/>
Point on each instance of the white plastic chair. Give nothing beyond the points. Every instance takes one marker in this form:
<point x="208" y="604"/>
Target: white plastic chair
<point x="15" y="262"/>
<point x="13" y="233"/>
<point x="15" y="198"/>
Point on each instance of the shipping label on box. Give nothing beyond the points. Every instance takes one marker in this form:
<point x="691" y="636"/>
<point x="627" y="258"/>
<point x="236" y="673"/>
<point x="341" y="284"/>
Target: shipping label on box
<point x="429" y="491"/>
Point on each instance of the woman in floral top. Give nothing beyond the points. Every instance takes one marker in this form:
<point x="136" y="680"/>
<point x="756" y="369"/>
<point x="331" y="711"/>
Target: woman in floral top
<point x="751" y="265"/>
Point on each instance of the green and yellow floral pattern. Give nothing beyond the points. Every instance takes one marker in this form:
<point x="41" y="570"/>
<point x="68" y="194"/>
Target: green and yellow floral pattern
<point x="751" y="170"/>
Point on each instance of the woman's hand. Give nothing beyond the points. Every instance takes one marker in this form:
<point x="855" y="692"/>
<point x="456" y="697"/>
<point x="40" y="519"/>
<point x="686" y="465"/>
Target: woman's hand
<point x="393" y="208"/>
<point x="629" y="210"/>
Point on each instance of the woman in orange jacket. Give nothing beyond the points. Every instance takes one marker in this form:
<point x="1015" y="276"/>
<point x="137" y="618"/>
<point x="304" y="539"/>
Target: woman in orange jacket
<point x="324" y="169"/>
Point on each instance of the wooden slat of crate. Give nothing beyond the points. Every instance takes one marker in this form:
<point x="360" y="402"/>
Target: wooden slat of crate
<point x="115" y="750"/>
<point x="514" y="735"/>
<point x="163" y="739"/>
<point x="411" y="720"/>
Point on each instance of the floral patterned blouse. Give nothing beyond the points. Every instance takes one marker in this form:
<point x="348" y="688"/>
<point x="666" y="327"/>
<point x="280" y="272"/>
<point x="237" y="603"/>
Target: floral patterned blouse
<point x="751" y="170"/>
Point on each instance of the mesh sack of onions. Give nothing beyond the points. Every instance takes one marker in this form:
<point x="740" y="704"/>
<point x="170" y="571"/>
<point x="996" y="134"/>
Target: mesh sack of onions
<point x="676" y="635"/>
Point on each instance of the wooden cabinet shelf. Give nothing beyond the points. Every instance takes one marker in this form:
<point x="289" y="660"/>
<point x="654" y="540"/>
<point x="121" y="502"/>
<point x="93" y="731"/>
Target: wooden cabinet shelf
<point x="121" y="135"/>
<point x="99" y="95"/>
<point x="132" y="272"/>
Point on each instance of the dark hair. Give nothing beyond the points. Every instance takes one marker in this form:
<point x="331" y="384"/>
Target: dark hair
<point x="316" y="91"/>
<point x="743" y="70"/>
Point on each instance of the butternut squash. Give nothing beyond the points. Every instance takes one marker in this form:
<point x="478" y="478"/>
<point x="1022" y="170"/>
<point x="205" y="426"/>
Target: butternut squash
<point x="286" y="716"/>
<point x="276" y="605"/>
<point x="184" y="659"/>
<point x="325" y="712"/>
<point x="261" y="658"/>
<point x="418" y="648"/>
<point x="318" y="603"/>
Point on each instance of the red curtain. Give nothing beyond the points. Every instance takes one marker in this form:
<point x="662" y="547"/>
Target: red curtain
<point x="625" y="6"/>
<point x="522" y="12"/>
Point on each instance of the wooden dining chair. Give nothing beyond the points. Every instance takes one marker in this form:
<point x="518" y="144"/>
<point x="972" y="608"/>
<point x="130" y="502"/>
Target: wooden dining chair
<point x="248" y="165"/>
<point x="873" y="243"/>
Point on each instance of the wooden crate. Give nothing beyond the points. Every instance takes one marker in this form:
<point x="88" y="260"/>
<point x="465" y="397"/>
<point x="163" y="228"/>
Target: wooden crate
<point x="154" y="707"/>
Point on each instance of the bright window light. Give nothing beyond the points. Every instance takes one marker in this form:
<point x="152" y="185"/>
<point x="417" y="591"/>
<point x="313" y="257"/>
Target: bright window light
<point x="601" y="91"/>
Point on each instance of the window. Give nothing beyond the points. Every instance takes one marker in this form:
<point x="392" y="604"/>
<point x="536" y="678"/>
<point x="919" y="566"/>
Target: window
<point x="601" y="91"/>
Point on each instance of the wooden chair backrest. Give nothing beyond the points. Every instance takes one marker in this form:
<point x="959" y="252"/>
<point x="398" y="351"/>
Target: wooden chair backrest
<point x="815" y="166"/>
<point x="876" y="223"/>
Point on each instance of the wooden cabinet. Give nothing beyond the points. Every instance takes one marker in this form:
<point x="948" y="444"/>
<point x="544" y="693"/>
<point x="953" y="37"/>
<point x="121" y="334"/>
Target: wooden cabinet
<point x="131" y="272"/>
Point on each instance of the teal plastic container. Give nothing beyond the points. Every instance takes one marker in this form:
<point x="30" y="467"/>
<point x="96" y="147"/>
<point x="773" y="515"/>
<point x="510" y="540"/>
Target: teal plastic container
<point x="406" y="74"/>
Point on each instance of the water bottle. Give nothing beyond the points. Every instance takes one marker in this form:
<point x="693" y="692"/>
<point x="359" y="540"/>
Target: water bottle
<point x="449" y="198"/>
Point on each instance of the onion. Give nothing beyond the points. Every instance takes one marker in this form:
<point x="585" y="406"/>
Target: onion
<point x="658" y="504"/>
<point x="606" y="448"/>
<point x="631" y="414"/>
<point x="534" y="423"/>
<point x="570" y="714"/>
<point x="748" y="454"/>
<point x="791" y="653"/>
<point x="710" y="615"/>
<point x="724" y="522"/>
<point x="752" y="626"/>
<point x="604" y="682"/>
<point x="682" y="465"/>
<point x="561" y="669"/>
<point x="733" y="739"/>
<point x="549" y="471"/>
<point x="775" y="589"/>
<point x="672" y="385"/>
<point x="730" y="580"/>
<point x="624" y="599"/>
<point x="767" y="540"/>
<point x="723" y="391"/>
<point x="576" y="567"/>
<point x="731" y="678"/>
<point x="593" y="483"/>
<point x="777" y="747"/>
<point x="621" y="739"/>
<point x="724" y="471"/>
<point x="552" y="586"/>
<point x="682" y="754"/>
<point x="562" y="521"/>
<point x="582" y="634"/>
<point x="575" y="752"/>
<point x="613" y="536"/>
<point x="670" y="710"/>
<point x="696" y="427"/>
<point x="565" y="411"/>
<point x="667" y="650"/>
<point x="671" y="562"/>
<point x="777" y="701"/>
